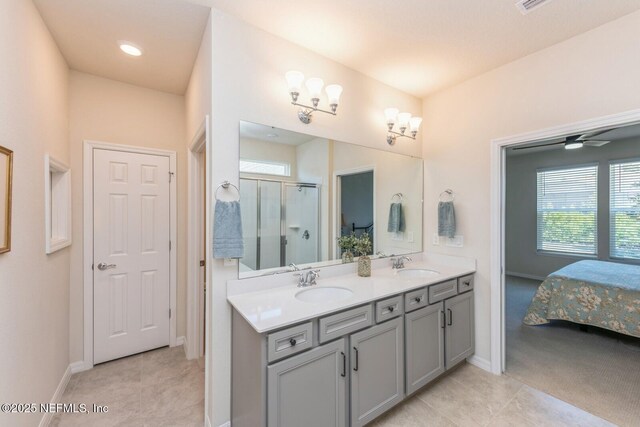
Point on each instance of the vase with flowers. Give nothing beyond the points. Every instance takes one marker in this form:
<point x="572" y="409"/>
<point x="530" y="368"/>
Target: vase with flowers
<point x="346" y="244"/>
<point x="363" y="248"/>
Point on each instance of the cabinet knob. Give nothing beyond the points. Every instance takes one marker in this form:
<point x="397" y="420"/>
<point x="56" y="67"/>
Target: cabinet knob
<point x="467" y="283"/>
<point x="292" y="342"/>
<point x="390" y="309"/>
<point x="417" y="299"/>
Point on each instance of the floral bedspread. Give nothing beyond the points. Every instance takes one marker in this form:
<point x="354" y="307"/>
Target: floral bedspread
<point x="598" y="293"/>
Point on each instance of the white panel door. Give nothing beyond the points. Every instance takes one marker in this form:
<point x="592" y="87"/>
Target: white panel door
<point x="131" y="224"/>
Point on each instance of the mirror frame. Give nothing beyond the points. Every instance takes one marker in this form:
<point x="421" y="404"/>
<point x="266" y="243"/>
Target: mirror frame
<point x="6" y="245"/>
<point x="337" y="261"/>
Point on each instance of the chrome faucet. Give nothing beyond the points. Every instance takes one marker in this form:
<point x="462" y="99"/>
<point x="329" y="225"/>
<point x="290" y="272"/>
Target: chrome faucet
<point x="398" y="263"/>
<point x="294" y="267"/>
<point x="308" y="279"/>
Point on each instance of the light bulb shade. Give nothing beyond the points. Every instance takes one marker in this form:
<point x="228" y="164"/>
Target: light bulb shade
<point x="414" y="123"/>
<point x="294" y="81"/>
<point x="403" y="119"/>
<point x="314" y="86"/>
<point x="391" y="115"/>
<point x="333" y="93"/>
<point x="572" y="145"/>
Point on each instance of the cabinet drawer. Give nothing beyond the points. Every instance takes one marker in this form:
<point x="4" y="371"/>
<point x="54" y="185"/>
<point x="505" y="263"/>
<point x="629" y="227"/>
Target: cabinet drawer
<point x="340" y="324"/>
<point x="415" y="299"/>
<point x="289" y="341"/>
<point x="443" y="291"/>
<point x="388" y="308"/>
<point x="465" y="283"/>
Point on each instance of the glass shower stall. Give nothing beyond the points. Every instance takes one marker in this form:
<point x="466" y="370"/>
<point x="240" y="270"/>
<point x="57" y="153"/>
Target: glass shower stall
<point x="281" y="223"/>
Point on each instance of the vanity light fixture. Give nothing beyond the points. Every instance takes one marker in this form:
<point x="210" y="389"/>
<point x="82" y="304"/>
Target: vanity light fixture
<point x="129" y="48"/>
<point x="314" y="87"/>
<point x="404" y="121"/>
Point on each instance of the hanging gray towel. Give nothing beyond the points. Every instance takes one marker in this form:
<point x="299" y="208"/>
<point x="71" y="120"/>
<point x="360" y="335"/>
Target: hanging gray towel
<point x="396" y="218"/>
<point x="446" y="219"/>
<point x="227" y="231"/>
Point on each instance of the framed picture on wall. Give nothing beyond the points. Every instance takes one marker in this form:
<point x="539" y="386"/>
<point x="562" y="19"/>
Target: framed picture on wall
<point x="6" y="176"/>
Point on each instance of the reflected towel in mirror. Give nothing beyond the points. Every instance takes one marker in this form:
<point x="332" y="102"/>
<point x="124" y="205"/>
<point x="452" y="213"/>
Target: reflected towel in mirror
<point x="446" y="220"/>
<point x="227" y="230"/>
<point x="396" y="218"/>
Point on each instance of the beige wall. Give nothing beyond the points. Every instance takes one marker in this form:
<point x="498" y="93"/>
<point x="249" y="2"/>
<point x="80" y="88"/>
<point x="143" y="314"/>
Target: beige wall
<point x="198" y="95"/>
<point x="248" y="84"/>
<point x="591" y="75"/>
<point x="34" y="308"/>
<point x="109" y="111"/>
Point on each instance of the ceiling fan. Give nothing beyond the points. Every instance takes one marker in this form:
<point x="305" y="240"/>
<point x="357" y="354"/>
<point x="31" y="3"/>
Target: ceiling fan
<point x="574" y="141"/>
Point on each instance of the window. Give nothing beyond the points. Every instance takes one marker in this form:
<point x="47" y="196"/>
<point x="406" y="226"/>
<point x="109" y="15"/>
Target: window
<point x="567" y="210"/>
<point x="265" y="167"/>
<point x="624" y="209"/>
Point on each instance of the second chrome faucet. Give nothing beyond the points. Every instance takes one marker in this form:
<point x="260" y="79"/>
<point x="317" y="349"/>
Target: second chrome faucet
<point x="307" y="278"/>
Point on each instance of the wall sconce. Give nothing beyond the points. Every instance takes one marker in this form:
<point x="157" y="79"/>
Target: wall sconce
<point x="404" y="120"/>
<point x="314" y="86"/>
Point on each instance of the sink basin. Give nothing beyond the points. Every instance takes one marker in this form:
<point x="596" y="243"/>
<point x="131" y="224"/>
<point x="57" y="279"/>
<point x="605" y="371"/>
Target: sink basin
<point x="415" y="273"/>
<point x="328" y="294"/>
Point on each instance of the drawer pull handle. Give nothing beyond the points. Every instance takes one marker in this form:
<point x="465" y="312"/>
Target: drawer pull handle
<point x="390" y="308"/>
<point x="355" y="366"/>
<point x="450" y="317"/>
<point x="417" y="299"/>
<point x="467" y="283"/>
<point x="344" y="365"/>
<point x="292" y="342"/>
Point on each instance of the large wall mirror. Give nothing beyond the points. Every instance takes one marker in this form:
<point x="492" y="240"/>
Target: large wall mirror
<point x="6" y="165"/>
<point x="300" y="193"/>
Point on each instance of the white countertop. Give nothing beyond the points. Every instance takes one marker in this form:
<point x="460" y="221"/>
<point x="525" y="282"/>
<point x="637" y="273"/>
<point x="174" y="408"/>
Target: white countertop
<point x="274" y="308"/>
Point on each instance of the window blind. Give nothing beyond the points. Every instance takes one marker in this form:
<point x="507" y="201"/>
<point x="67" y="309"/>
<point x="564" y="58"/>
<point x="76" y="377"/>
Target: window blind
<point x="624" y="209"/>
<point x="264" y="167"/>
<point x="567" y="204"/>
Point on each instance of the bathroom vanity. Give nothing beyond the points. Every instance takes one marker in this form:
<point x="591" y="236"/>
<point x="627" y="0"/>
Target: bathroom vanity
<point x="348" y="349"/>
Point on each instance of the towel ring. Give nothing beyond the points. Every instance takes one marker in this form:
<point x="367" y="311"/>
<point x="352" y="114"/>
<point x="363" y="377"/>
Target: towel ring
<point x="448" y="192"/>
<point x="398" y="195"/>
<point x="226" y="185"/>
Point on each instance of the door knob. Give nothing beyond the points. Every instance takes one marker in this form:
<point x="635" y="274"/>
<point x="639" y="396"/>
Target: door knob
<point x="104" y="266"/>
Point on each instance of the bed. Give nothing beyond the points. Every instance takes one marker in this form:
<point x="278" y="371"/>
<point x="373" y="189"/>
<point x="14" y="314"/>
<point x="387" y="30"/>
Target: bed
<point x="597" y="293"/>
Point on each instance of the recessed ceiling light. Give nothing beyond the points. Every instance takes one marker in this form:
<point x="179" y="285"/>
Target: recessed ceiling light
<point x="272" y="135"/>
<point x="129" y="48"/>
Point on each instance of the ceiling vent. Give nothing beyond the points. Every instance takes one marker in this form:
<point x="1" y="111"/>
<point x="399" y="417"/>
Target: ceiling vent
<point x="526" y="6"/>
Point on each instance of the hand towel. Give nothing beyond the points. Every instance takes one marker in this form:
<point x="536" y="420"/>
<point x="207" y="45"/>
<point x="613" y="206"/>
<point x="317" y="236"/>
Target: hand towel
<point x="446" y="219"/>
<point x="227" y="230"/>
<point x="396" y="218"/>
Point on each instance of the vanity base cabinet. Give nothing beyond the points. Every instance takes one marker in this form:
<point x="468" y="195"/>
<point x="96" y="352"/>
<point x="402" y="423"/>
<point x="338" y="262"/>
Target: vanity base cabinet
<point x="460" y="329"/>
<point x="309" y="389"/>
<point x="377" y="370"/>
<point x="424" y="346"/>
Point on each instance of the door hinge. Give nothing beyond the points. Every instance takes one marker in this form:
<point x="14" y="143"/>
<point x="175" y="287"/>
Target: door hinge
<point x="170" y="175"/>
<point x="91" y="266"/>
<point x="169" y="244"/>
<point x="169" y="313"/>
<point x="201" y="263"/>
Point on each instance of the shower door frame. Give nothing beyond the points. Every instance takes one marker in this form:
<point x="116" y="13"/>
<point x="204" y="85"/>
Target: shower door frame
<point x="283" y="215"/>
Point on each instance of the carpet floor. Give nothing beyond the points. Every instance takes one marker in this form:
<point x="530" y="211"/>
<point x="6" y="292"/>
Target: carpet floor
<point x="597" y="371"/>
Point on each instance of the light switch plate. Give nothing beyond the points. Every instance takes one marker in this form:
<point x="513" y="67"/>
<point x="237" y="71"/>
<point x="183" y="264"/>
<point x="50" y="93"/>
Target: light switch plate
<point x="436" y="239"/>
<point x="410" y="237"/>
<point x="457" y="241"/>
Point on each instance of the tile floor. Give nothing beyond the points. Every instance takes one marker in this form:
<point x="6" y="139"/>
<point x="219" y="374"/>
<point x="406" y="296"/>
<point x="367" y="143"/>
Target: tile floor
<point x="469" y="396"/>
<point x="162" y="388"/>
<point x="157" y="388"/>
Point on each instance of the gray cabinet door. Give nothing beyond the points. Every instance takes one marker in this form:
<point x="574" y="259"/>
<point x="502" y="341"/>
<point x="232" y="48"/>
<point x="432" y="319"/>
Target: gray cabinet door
<point x="424" y="350"/>
<point x="377" y="370"/>
<point x="310" y="389"/>
<point x="460" y="329"/>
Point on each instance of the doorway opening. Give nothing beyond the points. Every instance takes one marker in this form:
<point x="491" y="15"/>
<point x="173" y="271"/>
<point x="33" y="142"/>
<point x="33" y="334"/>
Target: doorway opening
<point x="355" y="201"/>
<point x="559" y="214"/>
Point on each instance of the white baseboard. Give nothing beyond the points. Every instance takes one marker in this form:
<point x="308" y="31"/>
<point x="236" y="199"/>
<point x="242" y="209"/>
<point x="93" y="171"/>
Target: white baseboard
<point x="79" y="366"/>
<point x="180" y="340"/>
<point x="57" y="395"/>
<point x="524" y="275"/>
<point x="480" y="362"/>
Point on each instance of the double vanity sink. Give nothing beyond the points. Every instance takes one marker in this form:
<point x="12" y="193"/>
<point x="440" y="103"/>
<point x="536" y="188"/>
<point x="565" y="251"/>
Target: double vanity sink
<point x="344" y="351"/>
